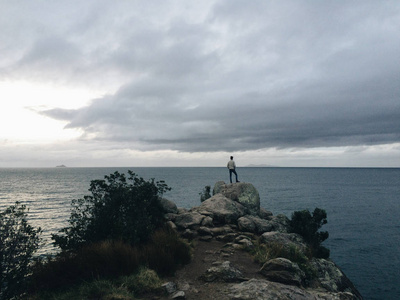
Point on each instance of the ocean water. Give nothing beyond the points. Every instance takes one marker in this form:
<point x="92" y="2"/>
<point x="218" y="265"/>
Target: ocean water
<point x="363" y="207"/>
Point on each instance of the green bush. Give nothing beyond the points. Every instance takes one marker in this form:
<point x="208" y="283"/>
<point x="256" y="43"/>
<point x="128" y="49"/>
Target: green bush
<point x="18" y="242"/>
<point x="205" y="193"/>
<point x="118" y="209"/>
<point x="144" y="281"/>
<point x="308" y="225"/>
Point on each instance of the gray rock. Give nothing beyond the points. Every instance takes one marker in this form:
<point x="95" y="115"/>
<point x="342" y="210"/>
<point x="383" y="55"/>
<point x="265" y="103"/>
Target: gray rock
<point x="254" y="224"/>
<point x="246" y="243"/>
<point x="229" y="237"/>
<point x="221" y="209"/>
<point x="223" y="272"/>
<point x="265" y="214"/>
<point x="287" y="240"/>
<point x="224" y="230"/>
<point x="332" y="278"/>
<point x="171" y="225"/>
<point x="188" y="220"/>
<point x="246" y="224"/>
<point x="283" y="270"/>
<point x="256" y="289"/>
<point x="179" y="295"/>
<point x="242" y="192"/>
<point x="207" y="221"/>
<point x="218" y="187"/>
<point x="169" y="287"/>
<point x="204" y="231"/>
<point x="279" y="223"/>
<point x="189" y="234"/>
<point x="168" y="206"/>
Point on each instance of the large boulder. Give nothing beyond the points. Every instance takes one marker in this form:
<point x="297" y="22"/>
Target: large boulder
<point x="221" y="209"/>
<point x="242" y="192"/>
<point x="250" y="223"/>
<point x="189" y="220"/>
<point x="332" y="278"/>
<point x="168" y="206"/>
<point x="283" y="270"/>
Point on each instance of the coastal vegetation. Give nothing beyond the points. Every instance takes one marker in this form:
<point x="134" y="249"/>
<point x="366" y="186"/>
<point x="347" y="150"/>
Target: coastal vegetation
<point x="308" y="225"/>
<point x="117" y="244"/>
<point x="205" y="193"/>
<point x="117" y="231"/>
<point x="18" y="243"/>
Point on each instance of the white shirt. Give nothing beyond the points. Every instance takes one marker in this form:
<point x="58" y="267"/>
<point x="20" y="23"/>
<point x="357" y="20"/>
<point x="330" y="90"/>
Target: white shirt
<point x="231" y="165"/>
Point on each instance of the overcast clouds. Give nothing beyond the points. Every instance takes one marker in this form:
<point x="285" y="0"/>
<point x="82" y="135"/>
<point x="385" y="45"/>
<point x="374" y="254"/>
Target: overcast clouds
<point x="194" y="79"/>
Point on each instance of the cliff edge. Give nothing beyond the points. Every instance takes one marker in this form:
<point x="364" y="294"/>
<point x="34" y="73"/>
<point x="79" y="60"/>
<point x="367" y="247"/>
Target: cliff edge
<point x="224" y="230"/>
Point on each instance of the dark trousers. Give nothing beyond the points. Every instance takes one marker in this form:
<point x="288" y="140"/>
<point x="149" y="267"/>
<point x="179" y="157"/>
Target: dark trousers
<point x="230" y="174"/>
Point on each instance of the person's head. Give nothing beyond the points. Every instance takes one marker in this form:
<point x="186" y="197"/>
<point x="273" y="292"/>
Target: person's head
<point x="231" y="157"/>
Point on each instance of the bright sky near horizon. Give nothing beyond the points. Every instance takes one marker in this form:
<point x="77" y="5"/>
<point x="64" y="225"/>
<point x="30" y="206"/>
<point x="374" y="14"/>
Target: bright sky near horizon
<point x="189" y="83"/>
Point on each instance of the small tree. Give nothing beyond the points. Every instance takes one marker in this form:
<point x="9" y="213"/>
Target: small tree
<point x="205" y="194"/>
<point x="307" y="225"/>
<point x="118" y="209"/>
<point x="18" y="242"/>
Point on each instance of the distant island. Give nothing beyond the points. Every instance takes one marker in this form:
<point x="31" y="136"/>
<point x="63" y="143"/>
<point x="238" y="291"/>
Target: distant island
<point x="61" y="166"/>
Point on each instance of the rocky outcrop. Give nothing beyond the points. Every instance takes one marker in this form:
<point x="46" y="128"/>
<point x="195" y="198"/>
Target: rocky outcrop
<point x="243" y="193"/>
<point x="233" y="215"/>
<point x="266" y="290"/>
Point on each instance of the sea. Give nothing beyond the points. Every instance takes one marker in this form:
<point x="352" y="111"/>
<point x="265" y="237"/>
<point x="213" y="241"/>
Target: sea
<point x="362" y="205"/>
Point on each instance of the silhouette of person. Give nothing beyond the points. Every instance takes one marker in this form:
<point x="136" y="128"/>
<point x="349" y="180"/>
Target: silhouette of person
<point x="232" y="169"/>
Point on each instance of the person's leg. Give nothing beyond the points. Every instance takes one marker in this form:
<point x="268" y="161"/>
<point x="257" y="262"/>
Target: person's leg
<point x="230" y="175"/>
<point x="234" y="171"/>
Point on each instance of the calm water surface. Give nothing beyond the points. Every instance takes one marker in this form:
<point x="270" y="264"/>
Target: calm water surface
<point x="363" y="206"/>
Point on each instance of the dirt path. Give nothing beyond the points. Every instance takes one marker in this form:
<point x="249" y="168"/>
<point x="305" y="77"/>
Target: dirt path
<point x="205" y="254"/>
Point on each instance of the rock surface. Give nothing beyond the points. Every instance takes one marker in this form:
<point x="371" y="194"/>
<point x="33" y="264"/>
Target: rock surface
<point x="223" y="229"/>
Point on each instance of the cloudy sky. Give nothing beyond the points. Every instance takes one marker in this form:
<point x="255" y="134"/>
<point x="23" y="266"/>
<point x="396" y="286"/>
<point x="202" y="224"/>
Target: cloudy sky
<point x="188" y="83"/>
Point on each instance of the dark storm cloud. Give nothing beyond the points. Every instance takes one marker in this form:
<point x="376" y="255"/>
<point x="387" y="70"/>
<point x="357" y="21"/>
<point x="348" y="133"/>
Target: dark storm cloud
<point x="232" y="75"/>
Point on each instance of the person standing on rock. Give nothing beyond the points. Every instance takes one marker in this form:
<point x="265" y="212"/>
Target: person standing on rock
<point x="232" y="169"/>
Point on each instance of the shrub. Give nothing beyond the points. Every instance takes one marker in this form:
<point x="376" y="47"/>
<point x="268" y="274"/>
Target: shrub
<point x="307" y="225"/>
<point x="205" y="194"/>
<point x="164" y="252"/>
<point x="265" y="252"/>
<point x="99" y="260"/>
<point x="144" y="281"/>
<point x="118" y="209"/>
<point x="18" y="242"/>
